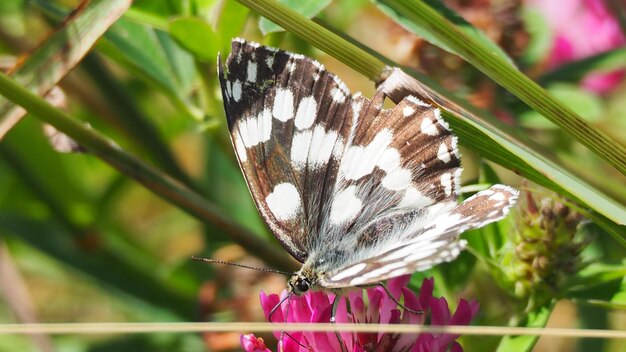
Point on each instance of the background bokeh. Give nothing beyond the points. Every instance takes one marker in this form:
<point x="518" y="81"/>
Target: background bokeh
<point x="81" y="242"/>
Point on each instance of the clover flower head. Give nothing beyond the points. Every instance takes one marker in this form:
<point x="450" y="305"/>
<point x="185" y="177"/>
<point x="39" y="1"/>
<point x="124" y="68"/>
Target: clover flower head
<point x="375" y="308"/>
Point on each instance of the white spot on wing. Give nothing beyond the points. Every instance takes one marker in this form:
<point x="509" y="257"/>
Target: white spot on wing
<point x="284" y="201"/>
<point x="255" y="130"/>
<point x="382" y="270"/>
<point x="252" y="68"/>
<point x="397" y="180"/>
<point x="236" y="90"/>
<point x="300" y="148"/>
<point x="269" y="61"/>
<point x="322" y="145"/>
<point x="486" y="192"/>
<point x="312" y="148"/>
<point x="416" y="101"/>
<point x="317" y="64"/>
<point x="346" y="206"/>
<point x="283" y="105"/>
<point x="390" y="160"/>
<point x="443" y="154"/>
<point x="338" y="95"/>
<point x="498" y="196"/>
<point x="408" y="111"/>
<point x="446" y="182"/>
<point x="338" y="148"/>
<point x="307" y="111"/>
<point x="412" y="251"/>
<point x="350" y="271"/>
<point x="357" y="281"/>
<point x="440" y="120"/>
<point x="414" y="199"/>
<point x="264" y="123"/>
<point x="428" y="127"/>
<point x="455" y="147"/>
<point x="356" y="109"/>
<point x="229" y="89"/>
<point x="360" y="161"/>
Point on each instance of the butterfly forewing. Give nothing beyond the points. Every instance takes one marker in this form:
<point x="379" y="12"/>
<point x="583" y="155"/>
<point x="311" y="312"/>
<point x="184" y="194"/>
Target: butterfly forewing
<point x="288" y="118"/>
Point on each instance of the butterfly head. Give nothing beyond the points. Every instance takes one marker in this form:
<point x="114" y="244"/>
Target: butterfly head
<point x="303" y="281"/>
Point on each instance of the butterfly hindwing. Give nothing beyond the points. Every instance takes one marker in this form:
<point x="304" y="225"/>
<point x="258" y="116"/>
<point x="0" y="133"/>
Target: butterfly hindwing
<point x="288" y="118"/>
<point x="434" y="244"/>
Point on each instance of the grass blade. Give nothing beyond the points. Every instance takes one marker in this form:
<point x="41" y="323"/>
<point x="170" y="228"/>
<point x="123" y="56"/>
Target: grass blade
<point x="512" y="79"/>
<point x="63" y="50"/>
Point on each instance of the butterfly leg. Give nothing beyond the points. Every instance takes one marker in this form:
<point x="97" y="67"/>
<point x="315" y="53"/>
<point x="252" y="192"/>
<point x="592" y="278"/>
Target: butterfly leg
<point x="384" y="286"/>
<point x="333" y="320"/>
<point x="280" y="303"/>
<point x="283" y="333"/>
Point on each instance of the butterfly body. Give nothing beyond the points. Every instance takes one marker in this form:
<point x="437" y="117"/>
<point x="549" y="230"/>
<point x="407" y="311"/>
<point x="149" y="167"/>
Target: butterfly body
<point x="355" y="192"/>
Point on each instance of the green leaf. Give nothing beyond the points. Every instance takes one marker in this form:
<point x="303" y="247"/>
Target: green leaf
<point x="585" y="103"/>
<point x="139" y="48"/>
<point x="540" y="36"/>
<point x="620" y="296"/>
<point x="574" y="71"/>
<point x="231" y="22"/>
<point x="308" y="8"/>
<point x="423" y="31"/>
<point x="455" y="275"/>
<point x="197" y="36"/>
<point x="535" y="319"/>
<point x="105" y="267"/>
<point x="62" y="51"/>
<point x="229" y="190"/>
<point x="162" y="9"/>
<point x="508" y="76"/>
<point x="597" y="281"/>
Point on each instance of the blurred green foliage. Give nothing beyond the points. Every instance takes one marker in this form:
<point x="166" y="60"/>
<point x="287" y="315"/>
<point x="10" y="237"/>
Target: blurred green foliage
<point x="92" y="245"/>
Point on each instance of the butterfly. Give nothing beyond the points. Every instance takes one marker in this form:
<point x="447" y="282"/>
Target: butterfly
<point x="355" y="192"/>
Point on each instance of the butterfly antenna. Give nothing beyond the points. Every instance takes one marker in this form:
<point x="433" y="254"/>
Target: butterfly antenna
<point x="333" y="320"/>
<point x="215" y="261"/>
<point x="284" y="333"/>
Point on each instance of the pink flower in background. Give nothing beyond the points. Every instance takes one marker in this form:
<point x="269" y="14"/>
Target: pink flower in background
<point x="251" y="343"/>
<point x="315" y="307"/>
<point x="582" y="28"/>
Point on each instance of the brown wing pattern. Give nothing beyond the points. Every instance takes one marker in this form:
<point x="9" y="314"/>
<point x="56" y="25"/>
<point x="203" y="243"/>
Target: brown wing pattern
<point x="396" y="164"/>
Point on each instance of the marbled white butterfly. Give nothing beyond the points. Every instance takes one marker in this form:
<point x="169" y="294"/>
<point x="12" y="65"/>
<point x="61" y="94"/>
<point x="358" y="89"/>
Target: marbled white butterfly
<point x="355" y="192"/>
